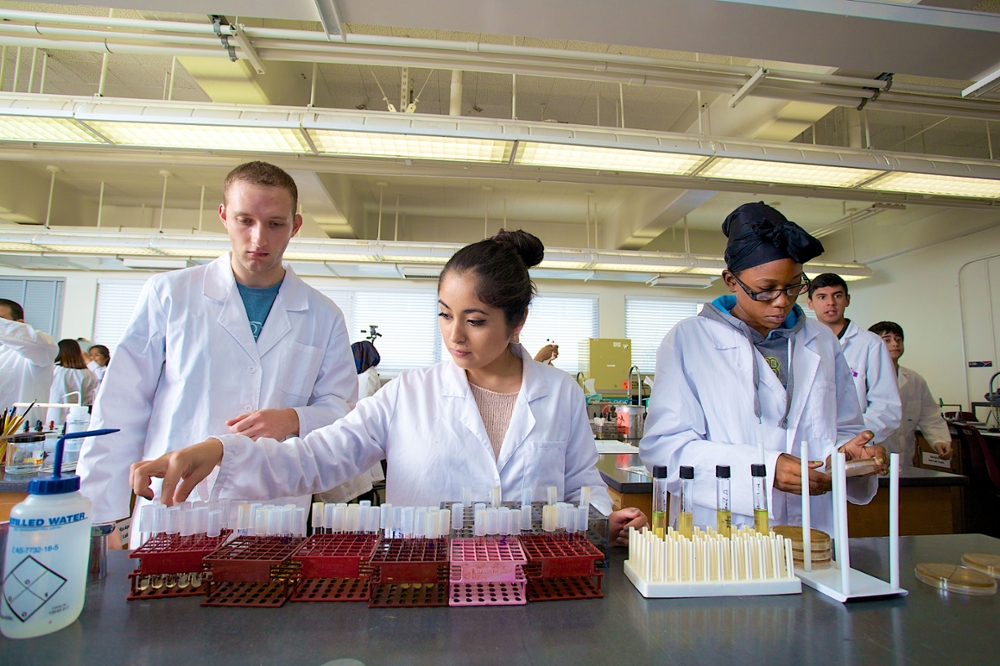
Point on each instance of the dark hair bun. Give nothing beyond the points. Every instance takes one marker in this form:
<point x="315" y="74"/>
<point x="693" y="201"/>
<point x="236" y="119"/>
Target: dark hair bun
<point x="527" y="246"/>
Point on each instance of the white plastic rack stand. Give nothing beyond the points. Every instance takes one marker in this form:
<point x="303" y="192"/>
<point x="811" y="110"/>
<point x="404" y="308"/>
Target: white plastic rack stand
<point x="710" y="565"/>
<point x="842" y="582"/>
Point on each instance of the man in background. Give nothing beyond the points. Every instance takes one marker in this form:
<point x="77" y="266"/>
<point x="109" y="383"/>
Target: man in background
<point x="919" y="408"/>
<point x="27" y="357"/>
<point x="866" y="354"/>
<point x="240" y="345"/>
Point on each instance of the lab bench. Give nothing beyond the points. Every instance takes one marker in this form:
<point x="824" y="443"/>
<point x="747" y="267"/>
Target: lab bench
<point x="926" y="627"/>
<point x="13" y="489"/>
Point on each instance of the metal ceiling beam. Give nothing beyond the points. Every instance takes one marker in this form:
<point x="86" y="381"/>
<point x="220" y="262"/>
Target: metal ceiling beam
<point x="329" y="16"/>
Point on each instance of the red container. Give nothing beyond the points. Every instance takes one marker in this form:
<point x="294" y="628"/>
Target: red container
<point x="171" y="566"/>
<point x="560" y="557"/>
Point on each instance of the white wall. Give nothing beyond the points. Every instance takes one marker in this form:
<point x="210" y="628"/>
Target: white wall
<point x="919" y="290"/>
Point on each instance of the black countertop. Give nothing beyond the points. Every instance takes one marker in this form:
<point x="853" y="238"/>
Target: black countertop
<point x="926" y="627"/>
<point x="614" y="469"/>
<point x="17" y="483"/>
<point x="918" y="476"/>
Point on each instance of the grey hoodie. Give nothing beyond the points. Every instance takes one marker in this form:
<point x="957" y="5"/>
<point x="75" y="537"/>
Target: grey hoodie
<point x="777" y="347"/>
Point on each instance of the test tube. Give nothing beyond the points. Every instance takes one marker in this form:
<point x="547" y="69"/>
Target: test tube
<point x="188" y="524"/>
<point x="479" y="506"/>
<point x="286" y="521"/>
<point x="550" y="518"/>
<point x="397" y="523"/>
<point x="760" y="520"/>
<point x="685" y="522"/>
<point x="339" y="518"/>
<point x="419" y="521"/>
<point x="243" y="523"/>
<point x="433" y="521"/>
<point x="318" y="526"/>
<point x="145" y="523"/>
<point x="660" y="500"/>
<point x="328" y="510"/>
<point x="444" y="522"/>
<point x="584" y="495"/>
<point x="260" y="521"/>
<point x="479" y="523"/>
<point x="225" y="506"/>
<point x="159" y="518"/>
<point x="492" y="521"/>
<point x="553" y="494"/>
<point x="407" y="522"/>
<point x="723" y="504"/>
<point x="515" y="522"/>
<point x="351" y="522"/>
<point x="584" y="518"/>
<point x="299" y="521"/>
<point x="467" y="496"/>
<point x="273" y="521"/>
<point x="562" y="516"/>
<point x="504" y="524"/>
<point x="495" y="497"/>
<point x="201" y="520"/>
<point x="526" y="517"/>
<point x="385" y="519"/>
<point x="526" y="495"/>
<point x="363" y="517"/>
<point x="214" y="527"/>
<point x="457" y="516"/>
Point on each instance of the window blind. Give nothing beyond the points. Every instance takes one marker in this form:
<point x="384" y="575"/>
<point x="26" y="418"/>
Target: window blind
<point x="42" y="300"/>
<point x="116" y="300"/>
<point x="647" y="320"/>
<point x="407" y="321"/>
<point x="566" y="320"/>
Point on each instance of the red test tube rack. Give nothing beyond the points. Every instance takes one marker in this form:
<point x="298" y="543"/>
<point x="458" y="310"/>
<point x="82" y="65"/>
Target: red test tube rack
<point x="561" y="568"/>
<point x="334" y="567"/>
<point x="171" y="565"/>
<point x="253" y="571"/>
<point x="409" y="573"/>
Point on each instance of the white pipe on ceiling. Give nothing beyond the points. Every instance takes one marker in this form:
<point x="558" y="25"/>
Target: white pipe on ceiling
<point x="455" y="102"/>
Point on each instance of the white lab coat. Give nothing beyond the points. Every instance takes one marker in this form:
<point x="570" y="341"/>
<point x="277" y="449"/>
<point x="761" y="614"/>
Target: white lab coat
<point x="701" y="414"/>
<point x="427" y="426"/>
<point x="188" y="362"/>
<point x="64" y="382"/>
<point x="368" y="383"/>
<point x="875" y="380"/>
<point x="26" y="360"/>
<point x="97" y="369"/>
<point x="919" y="410"/>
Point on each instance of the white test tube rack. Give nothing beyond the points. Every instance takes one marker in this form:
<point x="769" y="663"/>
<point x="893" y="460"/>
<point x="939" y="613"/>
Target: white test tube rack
<point x="841" y="582"/>
<point x="710" y="565"/>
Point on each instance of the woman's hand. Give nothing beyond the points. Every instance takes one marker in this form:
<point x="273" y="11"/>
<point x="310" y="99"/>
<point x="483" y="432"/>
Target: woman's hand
<point x="188" y="466"/>
<point x="620" y="521"/>
<point x="788" y="476"/>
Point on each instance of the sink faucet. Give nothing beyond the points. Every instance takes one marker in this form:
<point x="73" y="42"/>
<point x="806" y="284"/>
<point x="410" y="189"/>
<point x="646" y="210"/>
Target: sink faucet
<point x="639" y="384"/>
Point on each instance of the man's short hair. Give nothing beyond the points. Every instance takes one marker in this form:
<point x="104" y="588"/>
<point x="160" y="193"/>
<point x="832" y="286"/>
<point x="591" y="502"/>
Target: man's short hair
<point x="16" y="311"/>
<point x="262" y="173"/>
<point x="887" y="327"/>
<point x="827" y="280"/>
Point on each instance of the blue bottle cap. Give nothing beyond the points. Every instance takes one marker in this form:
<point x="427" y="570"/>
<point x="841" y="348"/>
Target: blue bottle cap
<point x="57" y="484"/>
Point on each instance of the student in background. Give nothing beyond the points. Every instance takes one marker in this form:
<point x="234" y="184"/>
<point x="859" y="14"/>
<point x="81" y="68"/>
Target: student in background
<point x="26" y="359"/>
<point x="919" y="408"/>
<point x="70" y="375"/>
<point x="871" y="368"/>
<point x="99" y="359"/>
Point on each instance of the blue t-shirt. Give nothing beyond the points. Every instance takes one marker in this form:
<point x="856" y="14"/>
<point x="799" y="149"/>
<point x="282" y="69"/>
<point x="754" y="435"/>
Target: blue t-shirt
<point x="258" y="304"/>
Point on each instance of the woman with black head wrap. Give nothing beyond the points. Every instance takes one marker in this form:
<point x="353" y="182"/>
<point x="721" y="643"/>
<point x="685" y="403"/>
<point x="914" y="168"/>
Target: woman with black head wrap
<point x="750" y="370"/>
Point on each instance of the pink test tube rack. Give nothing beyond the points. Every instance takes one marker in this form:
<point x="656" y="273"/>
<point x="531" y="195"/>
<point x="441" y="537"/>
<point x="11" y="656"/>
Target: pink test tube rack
<point x="487" y="571"/>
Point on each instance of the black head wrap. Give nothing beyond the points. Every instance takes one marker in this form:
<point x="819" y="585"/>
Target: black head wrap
<point x="759" y="234"/>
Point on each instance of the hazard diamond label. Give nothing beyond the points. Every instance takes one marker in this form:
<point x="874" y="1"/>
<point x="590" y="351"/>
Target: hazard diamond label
<point x="29" y="586"/>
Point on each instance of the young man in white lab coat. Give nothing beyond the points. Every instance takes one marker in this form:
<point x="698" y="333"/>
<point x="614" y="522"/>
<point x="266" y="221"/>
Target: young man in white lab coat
<point x="871" y="368"/>
<point x="752" y="370"/>
<point x="919" y="408"/>
<point x="27" y="357"/>
<point x="238" y="345"/>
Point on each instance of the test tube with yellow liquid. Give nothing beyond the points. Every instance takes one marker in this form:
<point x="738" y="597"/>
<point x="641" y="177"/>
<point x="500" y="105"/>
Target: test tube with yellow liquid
<point x="685" y="522"/>
<point x="761" y="523"/>
<point x="722" y="501"/>
<point x="660" y="501"/>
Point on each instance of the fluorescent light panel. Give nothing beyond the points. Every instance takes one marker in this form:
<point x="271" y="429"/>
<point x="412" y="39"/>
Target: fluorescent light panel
<point x="19" y="247"/>
<point x="123" y="250"/>
<point x="787" y="172"/>
<point x="951" y="186"/>
<point x="44" y="130"/>
<point x="198" y="253"/>
<point x="414" y="146"/>
<point x="568" y="265"/>
<point x="607" y="159"/>
<point x="205" y="137"/>
<point x="326" y="256"/>
<point x="413" y="260"/>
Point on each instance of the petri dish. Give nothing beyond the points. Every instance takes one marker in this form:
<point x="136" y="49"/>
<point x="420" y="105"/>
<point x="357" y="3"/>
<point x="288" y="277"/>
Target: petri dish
<point x="986" y="563"/>
<point x="955" y="578"/>
<point x="819" y="540"/>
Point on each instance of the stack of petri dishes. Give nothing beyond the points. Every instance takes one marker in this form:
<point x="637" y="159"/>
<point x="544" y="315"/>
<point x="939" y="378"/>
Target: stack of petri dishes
<point x="822" y="546"/>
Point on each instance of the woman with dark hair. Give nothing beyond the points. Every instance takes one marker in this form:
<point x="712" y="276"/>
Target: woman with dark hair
<point x="70" y="375"/>
<point x="751" y="371"/>
<point x="99" y="359"/>
<point x="489" y="417"/>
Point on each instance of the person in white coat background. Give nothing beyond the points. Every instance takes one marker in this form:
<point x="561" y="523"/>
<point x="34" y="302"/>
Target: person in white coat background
<point x="919" y="408"/>
<point x="241" y="344"/>
<point x="70" y="376"/>
<point x="867" y="356"/>
<point x="27" y="357"/>
<point x="99" y="357"/>
<point x="749" y="369"/>
<point x="487" y="417"/>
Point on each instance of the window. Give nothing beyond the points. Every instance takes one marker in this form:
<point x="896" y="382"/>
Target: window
<point x="568" y="321"/>
<point x="116" y="300"/>
<point x="42" y="301"/>
<point x="344" y="299"/>
<point x="407" y="321"/>
<point x="647" y="320"/>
